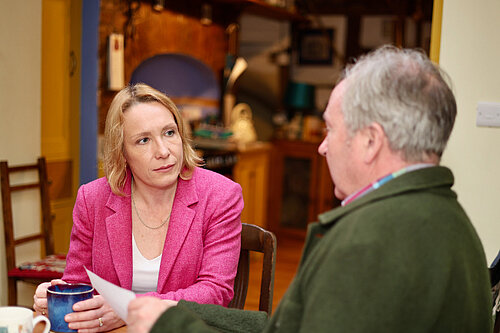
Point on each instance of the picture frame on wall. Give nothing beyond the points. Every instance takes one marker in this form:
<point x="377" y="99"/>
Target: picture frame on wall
<point x="315" y="46"/>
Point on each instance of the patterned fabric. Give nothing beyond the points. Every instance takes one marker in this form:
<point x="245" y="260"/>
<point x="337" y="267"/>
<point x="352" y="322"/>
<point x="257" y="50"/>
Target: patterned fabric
<point x="54" y="263"/>
<point x="51" y="267"/>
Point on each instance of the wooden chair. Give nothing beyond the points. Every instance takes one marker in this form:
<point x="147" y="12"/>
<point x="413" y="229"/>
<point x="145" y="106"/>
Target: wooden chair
<point x="255" y="238"/>
<point x="51" y="266"/>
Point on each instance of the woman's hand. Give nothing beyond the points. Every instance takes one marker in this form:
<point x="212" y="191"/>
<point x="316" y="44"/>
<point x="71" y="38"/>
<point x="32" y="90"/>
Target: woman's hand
<point x="144" y="311"/>
<point x="40" y="297"/>
<point x="93" y="315"/>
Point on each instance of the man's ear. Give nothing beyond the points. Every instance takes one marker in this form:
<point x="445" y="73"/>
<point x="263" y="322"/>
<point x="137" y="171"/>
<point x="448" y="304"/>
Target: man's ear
<point x="374" y="139"/>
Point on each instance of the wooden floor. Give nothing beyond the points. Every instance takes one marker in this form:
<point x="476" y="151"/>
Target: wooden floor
<point x="287" y="259"/>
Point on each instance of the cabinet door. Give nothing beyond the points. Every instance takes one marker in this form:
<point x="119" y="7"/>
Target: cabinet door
<point x="251" y="172"/>
<point x="300" y="186"/>
<point x="325" y="199"/>
<point x="61" y="28"/>
<point x="297" y="199"/>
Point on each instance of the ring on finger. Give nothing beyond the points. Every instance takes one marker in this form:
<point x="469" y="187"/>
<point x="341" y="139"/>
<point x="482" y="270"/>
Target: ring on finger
<point x="100" y="321"/>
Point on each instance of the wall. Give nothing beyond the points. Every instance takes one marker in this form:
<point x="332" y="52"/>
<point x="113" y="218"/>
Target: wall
<point x="20" y="100"/>
<point x="260" y="86"/>
<point x="261" y="40"/>
<point x="324" y="76"/>
<point x="470" y="53"/>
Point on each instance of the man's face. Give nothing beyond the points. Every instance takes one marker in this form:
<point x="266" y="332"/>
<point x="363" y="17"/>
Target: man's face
<point x="340" y="150"/>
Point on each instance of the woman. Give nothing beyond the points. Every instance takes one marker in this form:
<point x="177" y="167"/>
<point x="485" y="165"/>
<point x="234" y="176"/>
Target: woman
<point x="157" y="224"/>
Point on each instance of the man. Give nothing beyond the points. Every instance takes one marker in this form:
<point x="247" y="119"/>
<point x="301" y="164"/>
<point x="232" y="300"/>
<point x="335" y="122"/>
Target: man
<point x="400" y="255"/>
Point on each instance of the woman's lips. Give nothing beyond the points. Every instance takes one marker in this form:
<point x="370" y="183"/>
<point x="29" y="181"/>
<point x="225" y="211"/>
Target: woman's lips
<point x="164" y="168"/>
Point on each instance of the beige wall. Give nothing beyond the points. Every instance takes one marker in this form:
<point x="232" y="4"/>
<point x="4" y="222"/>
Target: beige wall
<point x="20" y="61"/>
<point x="470" y="53"/>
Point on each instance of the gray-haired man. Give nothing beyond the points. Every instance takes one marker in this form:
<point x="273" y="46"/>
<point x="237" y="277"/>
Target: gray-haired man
<point x="400" y="255"/>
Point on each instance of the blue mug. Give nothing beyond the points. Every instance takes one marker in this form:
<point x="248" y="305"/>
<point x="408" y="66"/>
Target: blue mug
<point x="60" y="300"/>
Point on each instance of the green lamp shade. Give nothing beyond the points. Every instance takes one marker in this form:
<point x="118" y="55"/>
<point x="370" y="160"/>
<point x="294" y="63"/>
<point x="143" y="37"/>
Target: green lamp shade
<point x="299" y="95"/>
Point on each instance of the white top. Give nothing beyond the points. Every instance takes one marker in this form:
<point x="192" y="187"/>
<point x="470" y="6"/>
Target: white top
<point x="145" y="271"/>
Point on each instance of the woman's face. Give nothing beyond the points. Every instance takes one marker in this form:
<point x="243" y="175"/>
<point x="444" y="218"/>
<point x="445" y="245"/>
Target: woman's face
<point x="152" y="145"/>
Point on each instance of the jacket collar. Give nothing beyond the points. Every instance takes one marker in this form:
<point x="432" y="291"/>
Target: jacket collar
<point x="119" y="232"/>
<point x="183" y="213"/>
<point x="432" y="177"/>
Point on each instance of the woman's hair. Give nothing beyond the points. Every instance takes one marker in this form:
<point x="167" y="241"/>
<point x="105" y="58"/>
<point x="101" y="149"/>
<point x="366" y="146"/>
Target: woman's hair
<point x="404" y="92"/>
<point x="114" y="163"/>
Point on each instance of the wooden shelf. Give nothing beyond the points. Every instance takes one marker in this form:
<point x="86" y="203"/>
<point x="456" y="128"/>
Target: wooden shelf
<point x="261" y="8"/>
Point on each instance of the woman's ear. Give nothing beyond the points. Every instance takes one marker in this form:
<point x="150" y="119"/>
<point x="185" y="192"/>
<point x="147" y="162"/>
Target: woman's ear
<point x="374" y="137"/>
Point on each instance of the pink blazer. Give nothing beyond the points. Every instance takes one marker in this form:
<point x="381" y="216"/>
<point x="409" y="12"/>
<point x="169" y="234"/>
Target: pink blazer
<point x="202" y="245"/>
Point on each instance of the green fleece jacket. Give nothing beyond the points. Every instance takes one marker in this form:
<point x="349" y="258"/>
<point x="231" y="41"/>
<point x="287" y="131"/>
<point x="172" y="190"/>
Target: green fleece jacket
<point x="403" y="258"/>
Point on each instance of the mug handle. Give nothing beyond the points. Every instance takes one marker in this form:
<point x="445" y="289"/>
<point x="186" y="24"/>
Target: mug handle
<point x="38" y="319"/>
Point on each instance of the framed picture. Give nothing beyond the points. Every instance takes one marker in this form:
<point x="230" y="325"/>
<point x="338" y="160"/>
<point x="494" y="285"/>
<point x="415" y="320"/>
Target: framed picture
<point x="315" y="46"/>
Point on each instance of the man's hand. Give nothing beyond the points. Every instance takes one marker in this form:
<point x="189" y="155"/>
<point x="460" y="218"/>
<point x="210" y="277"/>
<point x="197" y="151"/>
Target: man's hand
<point x="144" y="311"/>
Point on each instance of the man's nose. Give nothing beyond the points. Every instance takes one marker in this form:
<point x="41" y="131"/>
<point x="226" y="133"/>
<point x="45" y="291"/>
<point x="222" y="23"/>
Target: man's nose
<point x="322" y="148"/>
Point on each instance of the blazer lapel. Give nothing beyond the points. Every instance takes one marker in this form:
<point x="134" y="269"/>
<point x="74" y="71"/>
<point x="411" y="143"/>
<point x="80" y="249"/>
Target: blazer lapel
<point x="119" y="232"/>
<point x="180" y="223"/>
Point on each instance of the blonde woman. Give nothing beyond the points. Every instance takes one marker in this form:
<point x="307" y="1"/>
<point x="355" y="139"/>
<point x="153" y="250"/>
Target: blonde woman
<point x="157" y="224"/>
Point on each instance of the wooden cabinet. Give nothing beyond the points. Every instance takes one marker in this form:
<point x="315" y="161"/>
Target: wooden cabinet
<point x="251" y="172"/>
<point x="300" y="186"/>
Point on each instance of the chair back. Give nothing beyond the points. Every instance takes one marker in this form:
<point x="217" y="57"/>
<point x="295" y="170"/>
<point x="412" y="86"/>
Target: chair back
<point x="255" y="238"/>
<point x="7" y="189"/>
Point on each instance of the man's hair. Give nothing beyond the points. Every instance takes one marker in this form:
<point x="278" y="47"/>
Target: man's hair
<point x="404" y="92"/>
<point x="114" y="163"/>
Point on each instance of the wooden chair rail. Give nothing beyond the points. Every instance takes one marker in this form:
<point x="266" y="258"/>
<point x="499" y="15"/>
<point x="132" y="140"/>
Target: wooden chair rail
<point x="28" y="239"/>
<point x="255" y="238"/>
<point x="23" y="187"/>
<point x="15" y="273"/>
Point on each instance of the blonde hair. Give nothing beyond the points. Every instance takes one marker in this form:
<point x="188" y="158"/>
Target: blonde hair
<point x="114" y="163"/>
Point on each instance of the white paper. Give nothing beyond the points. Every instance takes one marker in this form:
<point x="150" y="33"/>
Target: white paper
<point x="117" y="297"/>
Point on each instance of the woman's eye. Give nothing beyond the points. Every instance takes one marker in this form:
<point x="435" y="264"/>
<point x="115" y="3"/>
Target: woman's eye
<point x="169" y="132"/>
<point x="143" y="141"/>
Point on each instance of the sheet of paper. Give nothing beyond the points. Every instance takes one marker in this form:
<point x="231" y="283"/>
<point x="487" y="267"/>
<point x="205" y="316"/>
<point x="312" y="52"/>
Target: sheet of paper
<point x="117" y="297"/>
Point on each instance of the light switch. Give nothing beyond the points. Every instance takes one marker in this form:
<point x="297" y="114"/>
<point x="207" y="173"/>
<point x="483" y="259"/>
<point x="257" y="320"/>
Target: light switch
<point x="488" y="114"/>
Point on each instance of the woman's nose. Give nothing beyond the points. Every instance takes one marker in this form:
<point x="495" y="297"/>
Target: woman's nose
<point x="162" y="149"/>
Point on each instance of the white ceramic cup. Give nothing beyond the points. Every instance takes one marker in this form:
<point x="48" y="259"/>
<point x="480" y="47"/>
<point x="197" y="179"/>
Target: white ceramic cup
<point x="16" y="319"/>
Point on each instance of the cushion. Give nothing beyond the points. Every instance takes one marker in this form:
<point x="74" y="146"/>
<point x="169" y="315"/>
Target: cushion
<point x="50" y="267"/>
